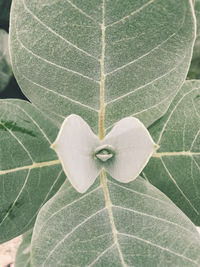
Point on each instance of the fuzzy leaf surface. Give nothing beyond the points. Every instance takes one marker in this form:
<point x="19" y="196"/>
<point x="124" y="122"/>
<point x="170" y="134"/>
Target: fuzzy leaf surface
<point x="67" y="55"/>
<point x="133" y="225"/>
<point x="175" y="168"/>
<point x="30" y="172"/>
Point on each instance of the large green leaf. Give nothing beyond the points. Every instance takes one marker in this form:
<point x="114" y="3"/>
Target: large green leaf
<point x="5" y="66"/>
<point x="30" y="172"/>
<point x="114" y="225"/>
<point x="131" y="55"/>
<point x="175" y="168"/>
<point x="194" y="72"/>
<point x="23" y="256"/>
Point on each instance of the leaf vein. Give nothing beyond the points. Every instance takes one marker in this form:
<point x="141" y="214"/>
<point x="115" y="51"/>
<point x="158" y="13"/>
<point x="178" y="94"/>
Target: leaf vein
<point x="158" y="246"/>
<point x="144" y="110"/>
<point x="19" y="142"/>
<point x="70" y="233"/>
<point x="144" y="85"/>
<point x="149" y="52"/>
<point x="154" y="217"/>
<point x="61" y="95"/>
<point x="52" y="63"/>
<point x="139" y="193"/>
<point x="68" y="205"/>
<point x="108" y="202"/>
<point x="177" y="186"/>
<point x="55" y="33"/>
<point x="173" y="110"/>
<point x="81" y="11"/>
<point x="19" y="194"/>
<point x="132" y="13"/>
<point x="37" y="125"/>
<point x="33" y="166"/>
<point x="100" y="255"/>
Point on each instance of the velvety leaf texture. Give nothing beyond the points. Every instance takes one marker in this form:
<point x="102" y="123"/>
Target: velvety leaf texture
<point x="65" y="52"/>
<point x="30" y="172"/>
<point x="175" y="168"/>
<point x="23" y="256"/>
<point x="104" y="61"/>
<point x="133" y="225"/>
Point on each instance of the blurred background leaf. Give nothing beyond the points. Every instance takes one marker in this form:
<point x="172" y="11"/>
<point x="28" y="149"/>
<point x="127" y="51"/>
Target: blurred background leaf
<point x="5" y="65"/>
<point x="11" y="89"/>
<point x="194" y="71"/>
<point x="5" y="13"/>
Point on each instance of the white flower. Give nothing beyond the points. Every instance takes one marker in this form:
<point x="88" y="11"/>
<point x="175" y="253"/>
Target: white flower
<point x="123" y="153"/>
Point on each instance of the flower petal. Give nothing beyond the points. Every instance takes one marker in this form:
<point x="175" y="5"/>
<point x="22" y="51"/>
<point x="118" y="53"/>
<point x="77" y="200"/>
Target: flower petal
<point x="133" y="147"/>
<point x="75" y="146"/>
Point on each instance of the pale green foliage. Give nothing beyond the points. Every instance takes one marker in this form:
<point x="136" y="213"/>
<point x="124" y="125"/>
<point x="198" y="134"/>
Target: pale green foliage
<point x="5" y="67"/>
<point x="177" y="171"/>
<point x="75" y="230"/>
<point x="23" y="256"/>
<point x="146" y="48"/>
<point x="103" y="60"/>
<point x="29" y="170"/>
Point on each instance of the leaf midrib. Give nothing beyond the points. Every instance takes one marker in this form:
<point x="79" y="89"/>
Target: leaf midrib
<point x="103" y="178"/>
<point x="175" y="154"/>
<point x="32" y="166"/>
<point x="109" y="205"/>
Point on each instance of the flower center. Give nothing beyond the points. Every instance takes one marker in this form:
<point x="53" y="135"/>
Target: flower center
<point x="104" y="152"/>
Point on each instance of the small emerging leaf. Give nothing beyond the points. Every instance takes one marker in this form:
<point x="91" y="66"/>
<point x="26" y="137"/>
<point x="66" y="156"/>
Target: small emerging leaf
<point x="133" y="148"/>
<point x="123" y="152"/>
<point x="75" y="146"/>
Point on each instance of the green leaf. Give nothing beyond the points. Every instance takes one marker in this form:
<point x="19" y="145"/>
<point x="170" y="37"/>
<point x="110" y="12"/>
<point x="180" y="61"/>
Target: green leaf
<point x="114" y="225"/>
<point x="30" y="172"/>
<point x="133" y="55"/>
<point x="194" y="71"/>
<point x="23" y="256"/>
<point x="175" y="168"/>
<point x="5" y="66"/>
